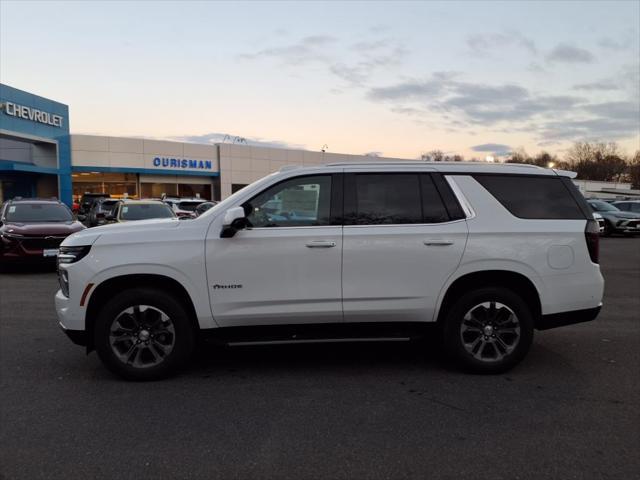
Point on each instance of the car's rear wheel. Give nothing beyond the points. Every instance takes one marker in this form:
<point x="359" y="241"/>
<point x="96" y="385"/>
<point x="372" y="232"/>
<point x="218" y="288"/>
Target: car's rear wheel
<point x="488" y="330"/>
<point x="144" y="334"/>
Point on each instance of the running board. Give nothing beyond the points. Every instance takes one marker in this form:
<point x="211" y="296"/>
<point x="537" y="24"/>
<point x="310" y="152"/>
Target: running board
<point x="318" y="333"/>
<point x="318" y="340"/>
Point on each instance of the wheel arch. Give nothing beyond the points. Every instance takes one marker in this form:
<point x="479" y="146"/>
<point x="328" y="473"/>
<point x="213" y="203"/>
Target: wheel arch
<point x="114" y="285"/>
<point x="514" y="281"/>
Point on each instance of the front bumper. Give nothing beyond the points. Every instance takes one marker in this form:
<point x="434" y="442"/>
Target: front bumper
<point x="628" y="226"/>
<point x="79" y="337"/>
<point x="562" y="319"/>
<point x="70" y="314"/>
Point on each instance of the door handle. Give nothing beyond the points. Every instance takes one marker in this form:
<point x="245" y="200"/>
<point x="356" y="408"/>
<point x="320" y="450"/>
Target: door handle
<point x="320" y="244"/>
<point x="437" y="243"/>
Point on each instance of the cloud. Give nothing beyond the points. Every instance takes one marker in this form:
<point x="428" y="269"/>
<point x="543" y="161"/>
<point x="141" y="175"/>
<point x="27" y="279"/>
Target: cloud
<point x="215" y="137"/>
<point x="304" y="50"/>
<point x="354" y="64"/>
<point x="412" y="90"/>
<point x="616" y="45"/>
<point x="372" y="55"/>
<point x="599" y="85"/>
<point x="453" y="105"/>
<point x="565" y="53"/>
<point x="478" y="103"/>
<point x="497" y="148"/>
<point x="486" y="43"/>
<point x="627" y="111"/>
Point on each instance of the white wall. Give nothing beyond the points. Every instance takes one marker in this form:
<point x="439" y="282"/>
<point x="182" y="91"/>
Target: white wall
<point x="121" y="152"/>
<point x="243" y="164"/>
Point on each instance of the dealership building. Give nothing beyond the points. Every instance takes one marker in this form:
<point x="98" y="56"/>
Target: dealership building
<point x="39" y="157"/>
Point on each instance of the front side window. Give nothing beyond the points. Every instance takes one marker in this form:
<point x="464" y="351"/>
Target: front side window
<point x="302" y="201"/>
<point x="38" y="212"/>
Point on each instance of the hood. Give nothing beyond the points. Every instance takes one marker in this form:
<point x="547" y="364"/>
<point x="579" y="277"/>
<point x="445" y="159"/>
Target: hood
<point x="146" y="228"/>
<point x="38" y="229"/>
<point x="622" y="214"/>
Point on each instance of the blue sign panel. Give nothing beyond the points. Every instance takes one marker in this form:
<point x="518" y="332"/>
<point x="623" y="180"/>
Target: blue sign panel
<point x="33" y="118"/>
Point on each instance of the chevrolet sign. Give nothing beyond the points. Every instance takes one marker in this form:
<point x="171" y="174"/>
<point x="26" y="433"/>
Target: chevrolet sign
<point x="33" y="114"/>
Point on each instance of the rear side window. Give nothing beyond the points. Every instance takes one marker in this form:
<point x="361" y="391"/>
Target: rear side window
<point x="392" y="198"/>
<point x="433" y="209"/>
<point x="386" y="199"/>
<point x="533" y="197"/>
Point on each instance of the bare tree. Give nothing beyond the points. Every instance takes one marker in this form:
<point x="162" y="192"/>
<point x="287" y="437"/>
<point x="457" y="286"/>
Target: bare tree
<point x="433" y="156"/>
<point x="597" y="161"/>
<point x="634" y="170"/>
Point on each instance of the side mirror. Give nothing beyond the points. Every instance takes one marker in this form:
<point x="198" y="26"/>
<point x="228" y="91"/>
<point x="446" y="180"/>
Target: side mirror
<point x="82" y="218"/>
<point x="110" y="218"/>
<point x="234" y="220"/>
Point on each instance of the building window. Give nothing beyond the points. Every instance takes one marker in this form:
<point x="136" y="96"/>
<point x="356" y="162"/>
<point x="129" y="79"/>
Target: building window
<point x="157" y="190"/>
<point x="117" y="185"/>
<point x="194" y="190"/>
<point x="237" y="186"/>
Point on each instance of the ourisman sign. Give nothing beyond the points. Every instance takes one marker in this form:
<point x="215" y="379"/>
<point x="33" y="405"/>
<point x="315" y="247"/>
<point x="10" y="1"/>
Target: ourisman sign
<point x="32" y="114"/>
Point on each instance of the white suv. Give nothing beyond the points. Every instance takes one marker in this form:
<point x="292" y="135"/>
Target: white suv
<point x="376" y="251"/>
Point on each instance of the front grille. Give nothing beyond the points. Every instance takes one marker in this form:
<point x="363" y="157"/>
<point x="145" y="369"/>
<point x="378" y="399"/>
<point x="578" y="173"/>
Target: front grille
<point x="39" y="243"/>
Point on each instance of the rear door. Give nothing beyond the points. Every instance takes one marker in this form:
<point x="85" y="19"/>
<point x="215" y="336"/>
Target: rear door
<point x="404" y="235"/>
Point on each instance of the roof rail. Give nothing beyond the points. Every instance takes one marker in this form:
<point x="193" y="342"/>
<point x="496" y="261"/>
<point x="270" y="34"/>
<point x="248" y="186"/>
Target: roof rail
<point x="420" y="162"/>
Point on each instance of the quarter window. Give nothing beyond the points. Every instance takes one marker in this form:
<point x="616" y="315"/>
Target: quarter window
<point x="302" y="201"/>
<point x="533" y="197"/>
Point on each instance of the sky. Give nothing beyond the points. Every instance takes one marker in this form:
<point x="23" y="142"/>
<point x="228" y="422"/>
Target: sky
<point x="392" y="79"/>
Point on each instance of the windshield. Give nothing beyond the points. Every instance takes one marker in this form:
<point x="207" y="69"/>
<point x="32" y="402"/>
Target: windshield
<point x="108" y="205"/>
<point x="189" y="206"/>
<point x="38" y="212"/>
<point x="603" y="207"/>
<point x="144" y="211"/>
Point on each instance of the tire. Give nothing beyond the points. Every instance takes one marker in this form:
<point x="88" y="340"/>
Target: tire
<point x="488" y="330"/>
<point x="608" y="229"/>
<point x="144" y="334"/>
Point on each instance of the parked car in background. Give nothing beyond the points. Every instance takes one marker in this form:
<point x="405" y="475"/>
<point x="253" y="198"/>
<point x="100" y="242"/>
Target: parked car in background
<point x="184" y="207"/>
<point x="132" y="210"/>
<point x="628" y="205"/>
<point x="203" y="207"/>
<point x="99" y="211"/>
<point x="32" y="229"/>
<point x="87" y="201"/>
<point x="377" y="251"/>
<point x="616" y="220"/>
<point x="599" y="218"/>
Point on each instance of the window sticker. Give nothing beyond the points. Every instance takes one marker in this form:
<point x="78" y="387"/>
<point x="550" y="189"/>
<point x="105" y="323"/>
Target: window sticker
<point x="125" y="209"/>
<point x="12" y="209"/>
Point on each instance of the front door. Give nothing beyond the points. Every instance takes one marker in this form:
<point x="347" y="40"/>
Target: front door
<point x="285" y="268"/>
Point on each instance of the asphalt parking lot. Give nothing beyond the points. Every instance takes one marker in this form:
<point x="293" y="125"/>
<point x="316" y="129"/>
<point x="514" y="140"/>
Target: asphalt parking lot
<point x="571" y="410"/>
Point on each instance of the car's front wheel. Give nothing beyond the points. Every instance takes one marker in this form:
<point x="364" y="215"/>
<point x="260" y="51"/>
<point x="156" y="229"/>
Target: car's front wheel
<point x="488" y="330"/>
<point x="144" y="334"/>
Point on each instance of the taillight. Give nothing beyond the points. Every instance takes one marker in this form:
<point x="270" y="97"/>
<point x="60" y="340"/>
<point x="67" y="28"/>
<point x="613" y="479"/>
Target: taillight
<point x="592" y="236"/>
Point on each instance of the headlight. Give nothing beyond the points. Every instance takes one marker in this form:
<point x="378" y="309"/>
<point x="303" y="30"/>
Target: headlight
<point x="72" y="254"/>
